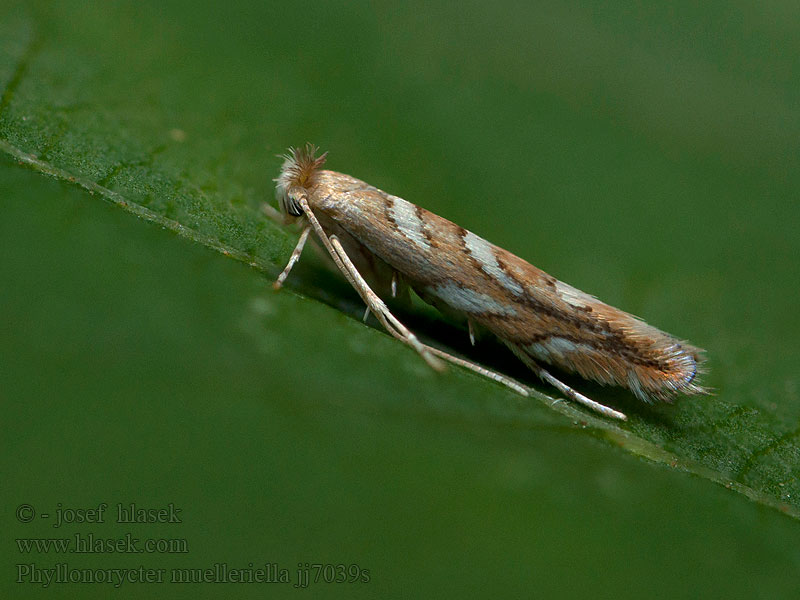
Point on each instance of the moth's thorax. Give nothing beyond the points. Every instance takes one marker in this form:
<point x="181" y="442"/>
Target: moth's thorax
<point x="334" y="191"/>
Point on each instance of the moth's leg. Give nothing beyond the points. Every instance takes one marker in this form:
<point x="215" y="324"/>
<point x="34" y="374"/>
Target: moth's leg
<point x="380" y="310"/>
<point x="293" y="258"/>
<point x="287" y="220"/>
<point x="402" y="332"/>
<point x="371" y="299"/>
<point x="568" y="391"/>
<point x="488" y="373"/>
<point x="394" y="294"/>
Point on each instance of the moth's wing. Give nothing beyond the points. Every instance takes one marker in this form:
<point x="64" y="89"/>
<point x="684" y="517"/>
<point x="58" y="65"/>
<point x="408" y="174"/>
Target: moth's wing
<point x="529" y="310"/>
<point x="577" y="332"/>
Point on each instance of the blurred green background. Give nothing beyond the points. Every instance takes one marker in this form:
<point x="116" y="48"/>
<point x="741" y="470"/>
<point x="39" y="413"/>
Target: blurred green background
<point x="646" y="153"/>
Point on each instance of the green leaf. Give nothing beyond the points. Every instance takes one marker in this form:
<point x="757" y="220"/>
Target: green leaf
<point x="648" y="157"/>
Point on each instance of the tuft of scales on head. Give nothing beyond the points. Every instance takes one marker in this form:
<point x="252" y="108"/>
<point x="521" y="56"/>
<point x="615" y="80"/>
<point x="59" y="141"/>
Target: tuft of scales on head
<point x="297" y="172"/>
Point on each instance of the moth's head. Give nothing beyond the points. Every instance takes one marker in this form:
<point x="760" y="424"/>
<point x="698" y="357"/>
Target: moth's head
<point x="297" y="175"/>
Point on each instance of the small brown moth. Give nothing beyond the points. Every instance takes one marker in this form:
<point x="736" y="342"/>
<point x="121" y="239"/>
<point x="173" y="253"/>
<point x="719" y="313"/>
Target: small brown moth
<point x="398" y="245"/>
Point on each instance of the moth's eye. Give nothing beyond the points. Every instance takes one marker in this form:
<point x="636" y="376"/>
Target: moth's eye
<point x="287" y="203"/>
<point x="293" y="208"/>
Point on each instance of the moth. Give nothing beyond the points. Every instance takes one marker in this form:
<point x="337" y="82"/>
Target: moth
<point x="396" y="245"/>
